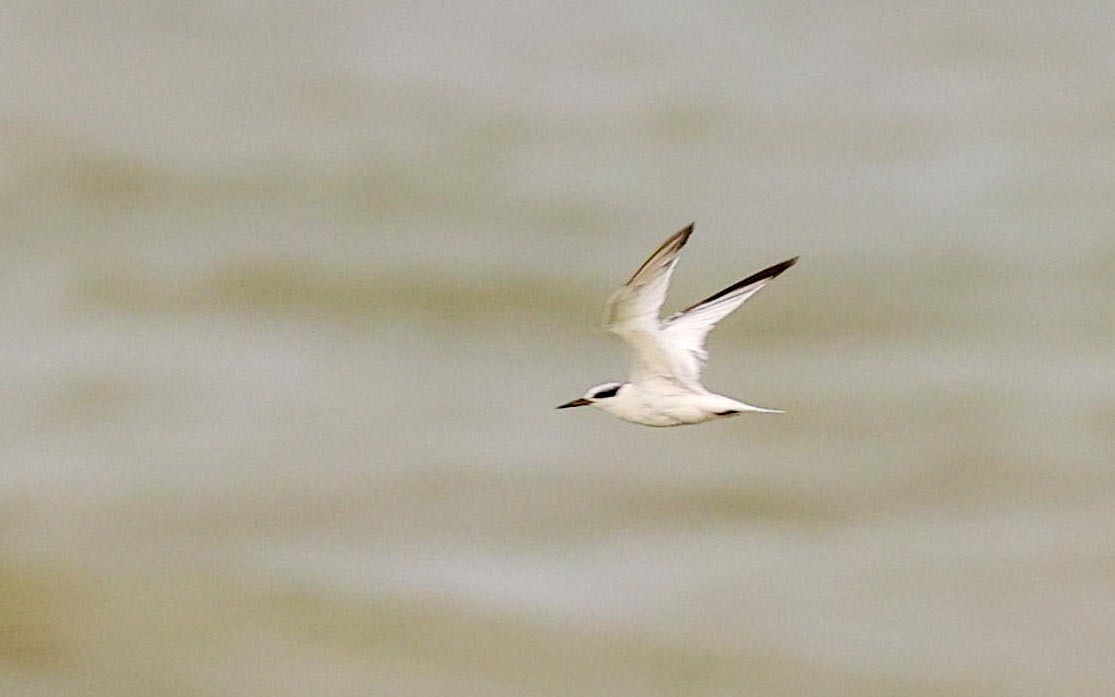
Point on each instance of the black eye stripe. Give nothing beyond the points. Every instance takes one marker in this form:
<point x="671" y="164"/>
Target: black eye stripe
<point x="604" y="394"/>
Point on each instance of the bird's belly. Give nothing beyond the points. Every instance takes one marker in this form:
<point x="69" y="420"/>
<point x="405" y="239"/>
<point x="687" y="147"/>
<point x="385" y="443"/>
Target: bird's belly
<point x="669" y="411"/>
<point x="656" y="420"/>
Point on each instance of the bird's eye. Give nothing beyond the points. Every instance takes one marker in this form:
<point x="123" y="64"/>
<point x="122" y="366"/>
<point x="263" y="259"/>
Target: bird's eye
<point x="609" y="392"/>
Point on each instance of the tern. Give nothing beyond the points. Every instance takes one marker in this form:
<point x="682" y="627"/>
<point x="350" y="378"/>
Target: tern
<point x="664" y="388"/>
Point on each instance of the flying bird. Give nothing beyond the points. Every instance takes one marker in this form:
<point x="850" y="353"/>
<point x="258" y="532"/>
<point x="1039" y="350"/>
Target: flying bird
<point x="664" y="388"/>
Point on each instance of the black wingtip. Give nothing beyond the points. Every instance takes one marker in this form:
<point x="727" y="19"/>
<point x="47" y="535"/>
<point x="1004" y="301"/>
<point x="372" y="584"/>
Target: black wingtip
<point x="772" y="271"/>
<point x="767" y="273"/>
<point x="674" y="243"/>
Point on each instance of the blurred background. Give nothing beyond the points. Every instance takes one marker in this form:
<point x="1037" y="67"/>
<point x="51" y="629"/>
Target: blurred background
<point x="290" y="291"/>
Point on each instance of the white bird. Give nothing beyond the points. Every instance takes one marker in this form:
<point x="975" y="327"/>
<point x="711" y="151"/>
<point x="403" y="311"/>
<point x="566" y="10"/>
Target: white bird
<point x="664" y="387"/>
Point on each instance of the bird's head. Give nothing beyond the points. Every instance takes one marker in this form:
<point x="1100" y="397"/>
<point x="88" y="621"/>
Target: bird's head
<point x="596" y="395"/>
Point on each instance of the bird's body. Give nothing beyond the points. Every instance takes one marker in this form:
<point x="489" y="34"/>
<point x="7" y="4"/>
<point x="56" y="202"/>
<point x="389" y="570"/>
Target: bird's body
<point x="664" y="387"/>
<point x="668" y="404"/>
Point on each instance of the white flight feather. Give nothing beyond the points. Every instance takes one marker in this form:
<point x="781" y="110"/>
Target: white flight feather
<point x="632" y="314"/>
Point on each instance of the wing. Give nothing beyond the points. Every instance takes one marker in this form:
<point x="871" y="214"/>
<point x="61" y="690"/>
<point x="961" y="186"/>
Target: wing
<point x="632" y="311"/>
<point x="683" y="334"/>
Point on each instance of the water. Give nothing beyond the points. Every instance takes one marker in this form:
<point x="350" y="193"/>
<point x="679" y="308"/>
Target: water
<point x="291" y="291"/>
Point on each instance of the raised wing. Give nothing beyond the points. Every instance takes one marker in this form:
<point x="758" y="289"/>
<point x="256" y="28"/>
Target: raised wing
<point x="683" y="334"/>
<point x="632" y="311"/>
